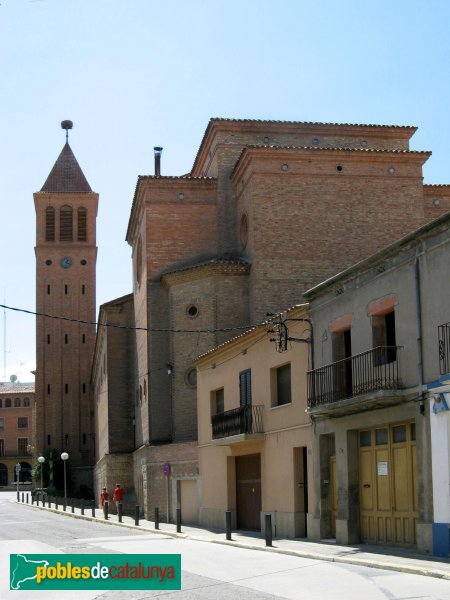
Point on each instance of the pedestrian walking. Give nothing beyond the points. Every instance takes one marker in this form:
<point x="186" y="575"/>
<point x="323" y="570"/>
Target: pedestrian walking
<point x="104" y="500"/>
<point x="118" y="495"/>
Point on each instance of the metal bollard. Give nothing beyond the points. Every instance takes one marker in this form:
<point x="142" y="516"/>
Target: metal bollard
<point x="119" y="512"/>
<point x="268" y="530"/>
<point x="156" y="518"/>
<point x="27" y="498"/>
<point x="23" y="496"/>
<point x="228" y="524"/>
<point x="37" y="500"/>
<point x="105" y="509"/>
<point x="136" y="515"/>
<point x="82" y="506"/>
<point x="178" y="520"/>
<point x="73" y="505"/>
<point x="93" y="508"/>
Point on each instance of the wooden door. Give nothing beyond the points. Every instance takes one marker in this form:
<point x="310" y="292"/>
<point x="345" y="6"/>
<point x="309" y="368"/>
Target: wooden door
<point x="248" y="492"/>
<point x="388" y="485"/>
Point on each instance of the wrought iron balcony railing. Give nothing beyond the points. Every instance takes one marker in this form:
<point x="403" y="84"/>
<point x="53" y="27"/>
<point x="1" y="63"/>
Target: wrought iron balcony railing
<point x="444" y="348"/>
<point x="376" y="369"/>
<point x="245" y="419"/>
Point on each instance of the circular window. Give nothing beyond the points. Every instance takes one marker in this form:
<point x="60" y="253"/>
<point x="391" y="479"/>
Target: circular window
<point x="266" y="139"/>
<point x="339" y="168"/>
<point x="436" y="202"/>
<point x="192" y="311"/>
<point x="364" y="143"/>
<point x="243" y="232"/>
<point x="284" y="167"/>
<point x="191" y="377"/>
<point x="48" y="262"/>
<point x="181" y="196"/>
<point x="83" y="262"/>
<point x="391" y="170"/>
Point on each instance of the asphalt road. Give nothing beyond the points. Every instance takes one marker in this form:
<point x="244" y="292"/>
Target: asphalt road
<point x="209" y="571"/>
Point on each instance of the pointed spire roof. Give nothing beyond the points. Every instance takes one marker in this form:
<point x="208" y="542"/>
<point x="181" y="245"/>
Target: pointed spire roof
<point x="66" y="175"/>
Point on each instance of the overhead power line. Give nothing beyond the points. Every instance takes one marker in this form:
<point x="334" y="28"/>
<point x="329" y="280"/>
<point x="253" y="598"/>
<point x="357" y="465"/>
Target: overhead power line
<point x="116" y="325"/>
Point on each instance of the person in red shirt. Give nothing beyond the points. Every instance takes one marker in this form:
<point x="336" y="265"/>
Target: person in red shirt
<point x="118" y="495"/>
<point x="104" y="497"/>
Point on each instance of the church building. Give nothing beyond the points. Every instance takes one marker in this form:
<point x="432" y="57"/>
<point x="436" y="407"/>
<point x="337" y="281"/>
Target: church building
<point x="268" y="210"/>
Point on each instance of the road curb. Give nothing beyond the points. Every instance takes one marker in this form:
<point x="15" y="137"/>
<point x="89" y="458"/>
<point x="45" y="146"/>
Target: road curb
<point x="362" y="562"/>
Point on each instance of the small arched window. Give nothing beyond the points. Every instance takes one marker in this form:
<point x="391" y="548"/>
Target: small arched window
<point x="65" y="224"/>
<point x="17" y="402"/>
<point x="8" y="403"/>
<point x="26" y="402"/>
<point x="82" y="225"/>
<point x="50" y="224"/>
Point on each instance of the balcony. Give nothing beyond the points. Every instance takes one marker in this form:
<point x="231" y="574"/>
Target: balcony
<point x="444" y="348"/>
<point x="242" y="424"/>
<point x="365" y="373"/>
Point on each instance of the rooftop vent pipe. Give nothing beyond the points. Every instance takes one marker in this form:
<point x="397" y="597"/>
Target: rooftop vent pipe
<point x="158" y="151"/>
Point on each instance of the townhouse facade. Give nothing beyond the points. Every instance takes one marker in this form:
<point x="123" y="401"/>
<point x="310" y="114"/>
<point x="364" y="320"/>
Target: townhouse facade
<point x="254" y="436"/>
<point x="378" y="396"/>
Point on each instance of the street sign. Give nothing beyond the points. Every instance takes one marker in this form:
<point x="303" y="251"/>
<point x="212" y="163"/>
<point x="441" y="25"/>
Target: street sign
<point x="166" y="469"/>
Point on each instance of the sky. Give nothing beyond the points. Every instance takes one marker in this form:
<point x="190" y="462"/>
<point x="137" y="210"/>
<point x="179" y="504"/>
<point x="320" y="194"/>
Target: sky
<point x="134" y="74"/>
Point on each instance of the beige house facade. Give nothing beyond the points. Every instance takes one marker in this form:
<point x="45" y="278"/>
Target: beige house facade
<point x="377" y="396"/>
<point x="254" y="436"/>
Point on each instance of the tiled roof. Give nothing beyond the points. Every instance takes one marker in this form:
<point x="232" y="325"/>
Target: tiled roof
<point x="66" y="175"/>
<point x="329" y="149"/>
<point x="186" y="177"/>
<point x="17" y="389"/>
<point x="311" y="124"/>
<point x="436" y="185"/>
<point x="239" y="262"/>
<point x="247" y="332"/>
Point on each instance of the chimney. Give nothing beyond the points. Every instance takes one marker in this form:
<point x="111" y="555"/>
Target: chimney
<point x="158" y="151"/>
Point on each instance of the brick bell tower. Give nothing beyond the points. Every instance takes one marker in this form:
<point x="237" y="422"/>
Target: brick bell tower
<point x="66" y="254"/>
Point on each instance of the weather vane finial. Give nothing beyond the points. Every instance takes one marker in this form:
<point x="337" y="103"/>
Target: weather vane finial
<point x="66" y="125"/>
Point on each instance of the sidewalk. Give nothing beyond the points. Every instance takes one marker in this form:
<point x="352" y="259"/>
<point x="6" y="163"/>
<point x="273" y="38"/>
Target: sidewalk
<point x="378" y="557"/>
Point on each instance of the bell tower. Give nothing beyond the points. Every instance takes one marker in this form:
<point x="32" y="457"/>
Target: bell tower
<point x="66" y="254"/>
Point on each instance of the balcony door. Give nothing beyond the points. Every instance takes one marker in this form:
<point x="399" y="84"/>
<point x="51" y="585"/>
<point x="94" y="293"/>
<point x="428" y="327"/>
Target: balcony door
<point x="342" y="356"/>
<point x="245" y="400"/>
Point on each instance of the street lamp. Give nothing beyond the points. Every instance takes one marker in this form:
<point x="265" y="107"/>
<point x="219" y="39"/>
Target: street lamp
<point x="64" y="457"/>
<point x="41" y="461"/>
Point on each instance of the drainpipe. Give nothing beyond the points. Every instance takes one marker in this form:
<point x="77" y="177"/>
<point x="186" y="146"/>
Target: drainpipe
<point x="419" y="335"/>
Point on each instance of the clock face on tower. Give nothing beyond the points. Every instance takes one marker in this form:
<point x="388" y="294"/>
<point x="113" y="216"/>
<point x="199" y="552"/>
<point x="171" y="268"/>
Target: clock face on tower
<point x="66" y="262"/>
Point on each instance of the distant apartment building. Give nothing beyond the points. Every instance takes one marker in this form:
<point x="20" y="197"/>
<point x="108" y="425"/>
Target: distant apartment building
<point x="17" y="419"/>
